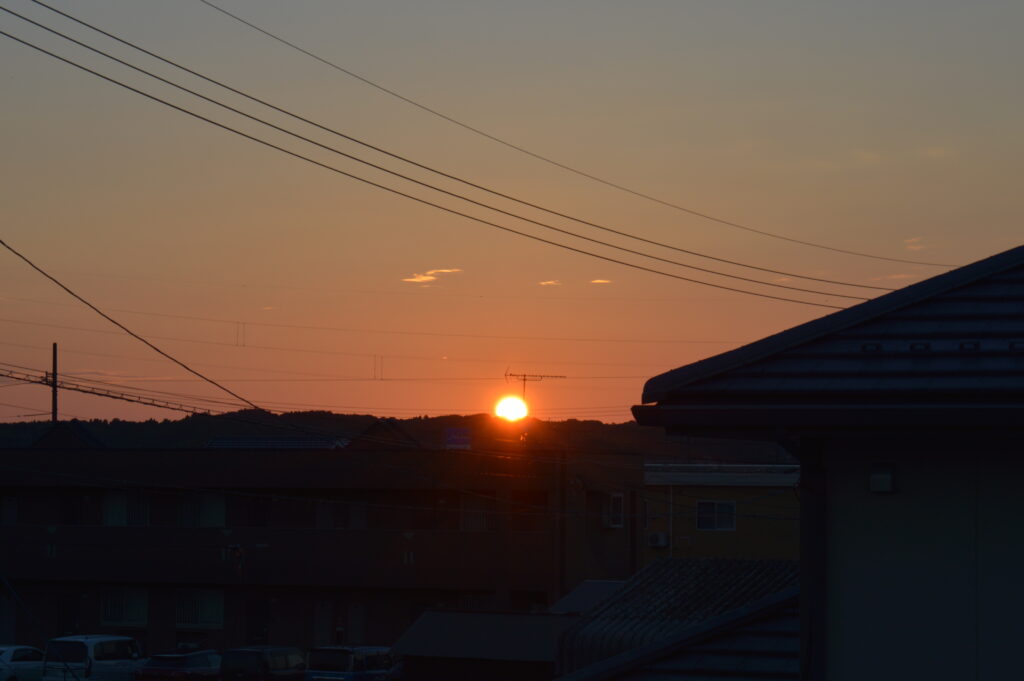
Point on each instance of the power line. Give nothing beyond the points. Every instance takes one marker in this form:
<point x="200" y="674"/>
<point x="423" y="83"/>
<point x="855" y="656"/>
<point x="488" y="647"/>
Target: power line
<point x="399" y="157"/>
<point x="656" y="341"/>
<point x="411" y="196"/>
<point x="555" y="163"/>
<point x="320" y="375"/>
<point x="445" y="191"/>
<point x="101" y="392"/>
<point x="125" y="328"/>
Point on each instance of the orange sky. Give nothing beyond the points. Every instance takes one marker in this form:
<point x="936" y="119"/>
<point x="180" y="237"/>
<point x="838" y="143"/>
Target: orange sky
<point x="889" y="130"/>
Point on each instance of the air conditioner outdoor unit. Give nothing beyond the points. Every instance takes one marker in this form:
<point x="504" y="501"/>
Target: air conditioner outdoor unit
<point x="657" y="540"/>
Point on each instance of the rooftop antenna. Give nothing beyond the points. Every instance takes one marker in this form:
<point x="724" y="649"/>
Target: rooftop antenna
<point x="528" y="377"/>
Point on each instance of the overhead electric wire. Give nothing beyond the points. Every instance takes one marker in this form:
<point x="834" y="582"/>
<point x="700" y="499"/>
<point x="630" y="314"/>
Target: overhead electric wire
<point x="446" y="192"/>
<point x="102" y="392"/>
<point x="411" y="196"/>
<point x="404" y="158"/>
<point x="656" y="341"/>
<point x="125" y="328"/>
<point x="555" y="163"/>
<point x="321" y="374"/>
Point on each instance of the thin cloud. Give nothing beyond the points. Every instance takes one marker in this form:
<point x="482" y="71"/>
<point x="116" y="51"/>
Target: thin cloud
<point x="600" y="281"/>
<point x="429" y="275"/>
<point x="419" y="278"/>
<point x="549" y="282"/>
<point x="914" y="244"/>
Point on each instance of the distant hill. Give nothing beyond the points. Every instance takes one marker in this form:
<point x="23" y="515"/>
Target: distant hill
<point x="252" y="429"/>
<point x="430" y="432"/>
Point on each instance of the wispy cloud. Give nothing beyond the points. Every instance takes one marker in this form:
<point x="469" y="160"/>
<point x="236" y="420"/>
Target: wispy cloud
<point x="429" y="275"/>
<point x="600" y="281"/>
<point x="914" y="244"/>
<point x="549" y="282"/>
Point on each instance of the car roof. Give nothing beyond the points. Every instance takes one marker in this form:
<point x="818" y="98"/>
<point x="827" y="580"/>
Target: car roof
<point x="93" y="637"/>
<point x="355" y="649"/>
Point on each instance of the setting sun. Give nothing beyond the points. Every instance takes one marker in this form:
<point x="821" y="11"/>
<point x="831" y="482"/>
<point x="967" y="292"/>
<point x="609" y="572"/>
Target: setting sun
<point x="511" y="408"/>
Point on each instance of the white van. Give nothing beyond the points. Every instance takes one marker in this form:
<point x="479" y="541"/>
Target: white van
<point x="91" y="658"/>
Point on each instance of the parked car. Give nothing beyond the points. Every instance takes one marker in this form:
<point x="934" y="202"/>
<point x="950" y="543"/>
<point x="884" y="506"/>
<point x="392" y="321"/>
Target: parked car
<point x="198" y="665"/>
<point x="263" y="663"/>
<point x="96" y="657"/>
<point x="20" y="663"/>
<point x="345" y="663"/>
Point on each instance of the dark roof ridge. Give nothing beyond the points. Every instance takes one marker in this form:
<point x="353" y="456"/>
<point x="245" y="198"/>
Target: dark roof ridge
<point x="660" y="386"/>
<point x="631" y="659"/>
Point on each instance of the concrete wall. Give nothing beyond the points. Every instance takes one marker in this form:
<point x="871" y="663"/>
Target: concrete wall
<point x="767" y="523"/>
<point x="924" y="582"/>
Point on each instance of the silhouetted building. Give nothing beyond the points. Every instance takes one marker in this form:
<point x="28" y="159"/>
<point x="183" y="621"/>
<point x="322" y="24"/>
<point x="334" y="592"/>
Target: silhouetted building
<point x="905" y="413"/>
<point x="227" y="546"/>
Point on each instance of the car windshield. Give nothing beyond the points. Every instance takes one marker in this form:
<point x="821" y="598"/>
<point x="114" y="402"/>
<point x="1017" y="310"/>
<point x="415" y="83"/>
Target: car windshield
<point x="66" y="651"/>
<point x="116" y="649"/>
<point x="330" y="660"/>
<point x="247" y="661"/>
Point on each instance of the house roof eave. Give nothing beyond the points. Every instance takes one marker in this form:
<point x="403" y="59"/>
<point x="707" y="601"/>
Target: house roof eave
<point x="662" y="386"/>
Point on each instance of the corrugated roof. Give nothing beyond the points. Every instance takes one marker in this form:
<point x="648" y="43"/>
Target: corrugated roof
<point x="956" y="334"/>
<point x="668" y="597"/>
<point x="756" y="642"/>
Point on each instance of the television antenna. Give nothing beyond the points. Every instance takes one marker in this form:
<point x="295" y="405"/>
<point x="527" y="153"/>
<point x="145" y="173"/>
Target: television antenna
<point x="524" y="378"/>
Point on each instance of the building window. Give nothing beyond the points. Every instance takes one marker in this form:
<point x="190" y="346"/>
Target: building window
<point x="202" y="510"/>
<point x="124" y="607"/>
<point x="615" y="510"/>
<point x="128" y="508"/>
<point x="716" y="515"/>
<point x="199" y="609"/>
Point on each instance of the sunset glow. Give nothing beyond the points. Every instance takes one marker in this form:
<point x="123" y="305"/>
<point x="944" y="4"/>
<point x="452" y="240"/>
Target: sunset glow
<point x="511" y="408"/>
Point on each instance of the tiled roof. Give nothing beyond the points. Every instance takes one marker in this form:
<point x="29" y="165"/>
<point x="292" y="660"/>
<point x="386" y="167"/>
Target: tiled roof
<point x="669" y="597"/>
<point x="957" y="335"/>
<point x="756" y="642"/>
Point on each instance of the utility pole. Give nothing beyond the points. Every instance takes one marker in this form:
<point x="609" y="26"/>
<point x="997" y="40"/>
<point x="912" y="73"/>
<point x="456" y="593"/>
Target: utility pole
<point x="53" y="386"/>
<point x="529" y="377"/>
